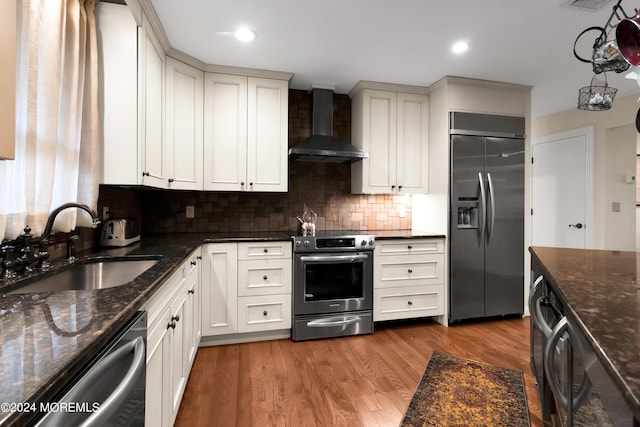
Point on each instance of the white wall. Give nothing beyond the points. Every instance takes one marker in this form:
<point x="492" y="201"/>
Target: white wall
<point x="615" y="142"/>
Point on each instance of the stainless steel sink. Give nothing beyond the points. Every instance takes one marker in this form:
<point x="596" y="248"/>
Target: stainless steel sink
<point x="98" y="273"/>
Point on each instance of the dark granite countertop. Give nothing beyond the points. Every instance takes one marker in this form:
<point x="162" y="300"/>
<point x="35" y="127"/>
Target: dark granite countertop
<point x="46" y="338"/>
<point x="601" y="291"/>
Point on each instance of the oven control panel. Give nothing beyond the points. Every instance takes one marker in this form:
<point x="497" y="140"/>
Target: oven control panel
<point x="333" y="243"/>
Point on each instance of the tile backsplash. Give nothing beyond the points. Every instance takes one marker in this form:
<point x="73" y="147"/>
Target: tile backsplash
<point x="322" y="187"/>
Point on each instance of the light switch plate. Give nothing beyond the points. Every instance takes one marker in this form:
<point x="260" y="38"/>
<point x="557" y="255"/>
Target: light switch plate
<point x="615" y="207"/>
<point x="190" y="212"/>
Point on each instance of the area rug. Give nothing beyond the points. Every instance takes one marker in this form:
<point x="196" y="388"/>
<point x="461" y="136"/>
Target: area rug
<point x="461" y="392"/>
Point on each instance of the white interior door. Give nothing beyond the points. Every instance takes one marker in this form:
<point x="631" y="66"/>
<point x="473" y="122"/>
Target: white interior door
<point x="562" y="189"/>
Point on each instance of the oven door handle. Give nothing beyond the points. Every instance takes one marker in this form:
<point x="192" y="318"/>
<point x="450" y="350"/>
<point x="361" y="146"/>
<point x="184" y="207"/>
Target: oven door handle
<point x="333" y="258"/>
<point x="333" y="322"/>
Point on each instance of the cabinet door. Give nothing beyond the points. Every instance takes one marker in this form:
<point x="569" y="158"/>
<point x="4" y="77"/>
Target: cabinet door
<point x="192" y="312"/>
<point x="118" y="60"/>
<point x="177" y="339"/>
<point x="151" y="89"/>
<point x="158" y="383"/>
<point x="267" y="162"/>
<point x="379" y="110"/>
<point x="7" y="79"/>
<point x="184" y="125"/>
<point x="219" y="288"/>
<point x="412" y="143"/>
<point x="225" y="132"/>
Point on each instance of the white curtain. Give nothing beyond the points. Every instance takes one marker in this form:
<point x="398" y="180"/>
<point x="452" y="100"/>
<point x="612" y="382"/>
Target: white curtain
<point x="57" y="139"/>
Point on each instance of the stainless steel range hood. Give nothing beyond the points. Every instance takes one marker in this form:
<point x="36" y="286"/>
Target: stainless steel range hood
<point x="322" y="146"/>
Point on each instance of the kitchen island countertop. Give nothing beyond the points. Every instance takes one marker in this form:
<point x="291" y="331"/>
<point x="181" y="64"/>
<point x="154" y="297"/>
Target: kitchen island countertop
<point x="600" y="290"/>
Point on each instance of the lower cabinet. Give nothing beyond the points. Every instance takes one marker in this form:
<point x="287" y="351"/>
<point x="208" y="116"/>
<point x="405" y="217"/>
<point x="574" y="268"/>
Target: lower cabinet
<point x="246" y="287"/>
<point x="172" y="339"/>
<point x="408" y="278"/>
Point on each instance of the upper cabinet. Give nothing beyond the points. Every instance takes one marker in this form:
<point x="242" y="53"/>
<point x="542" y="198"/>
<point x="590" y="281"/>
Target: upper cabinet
<point x="390" y="122"/>
<point x="7" y="79"/>
<point x="132" y="94"/>
<point x="183" y="125"/>
<point x="174" y="122"/>
<point x="245" y="133"/>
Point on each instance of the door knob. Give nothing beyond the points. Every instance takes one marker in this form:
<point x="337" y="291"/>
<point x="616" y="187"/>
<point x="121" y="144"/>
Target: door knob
<point x="578" y="225"/>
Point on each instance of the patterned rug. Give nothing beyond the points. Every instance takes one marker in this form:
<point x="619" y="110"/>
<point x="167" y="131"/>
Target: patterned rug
<point x="461" y="392"/>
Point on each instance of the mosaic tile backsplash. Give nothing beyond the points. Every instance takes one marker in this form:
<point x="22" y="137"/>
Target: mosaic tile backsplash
<point x="322" y="187"/>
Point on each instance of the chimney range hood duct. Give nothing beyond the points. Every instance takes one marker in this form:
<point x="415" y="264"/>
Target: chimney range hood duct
<point x="322" y="146"/>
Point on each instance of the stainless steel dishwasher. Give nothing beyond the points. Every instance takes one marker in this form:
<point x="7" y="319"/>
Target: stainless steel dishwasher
<point x="111" y="390"/>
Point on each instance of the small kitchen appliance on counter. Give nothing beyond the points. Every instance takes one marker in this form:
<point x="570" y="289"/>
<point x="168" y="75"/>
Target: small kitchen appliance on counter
<point x="119" y="232"/>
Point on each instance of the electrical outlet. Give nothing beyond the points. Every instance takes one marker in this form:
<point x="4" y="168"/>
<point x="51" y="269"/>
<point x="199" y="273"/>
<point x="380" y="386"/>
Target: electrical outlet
<point x="105" y="212"/>
<point x="190" y="212"/>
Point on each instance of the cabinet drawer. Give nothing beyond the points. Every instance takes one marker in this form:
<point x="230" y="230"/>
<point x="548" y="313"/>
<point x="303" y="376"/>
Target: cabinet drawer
<point x="264" y="250"/>
<point x="408" y="302"/>
<point x="409" y="246"/>
<point x="263" y="277"/>
<point x="404" y="271"/>
<point x="263" y="313"/>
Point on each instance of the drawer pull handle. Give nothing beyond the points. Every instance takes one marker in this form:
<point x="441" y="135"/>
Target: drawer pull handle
<point x="409" y="302"/>
<point x="410" y="271"/>
<point x="171" y="325"/>
<point x="264" y="313"/>
<point x="264" y="277"/>
<point x="176" y="318"/>
<point x="191" y="291"/>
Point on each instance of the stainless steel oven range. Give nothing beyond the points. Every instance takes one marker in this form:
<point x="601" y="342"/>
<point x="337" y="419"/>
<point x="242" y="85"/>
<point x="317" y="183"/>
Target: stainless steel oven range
<point x="332" y="285"/>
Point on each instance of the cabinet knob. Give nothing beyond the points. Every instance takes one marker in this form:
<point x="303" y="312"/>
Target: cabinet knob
<point x="410" y="271"/>
<point x="400" y="187"/>
<point x="265" y="250"/>
<point x="199" y="257"/>
<point x="176" y="318"/>
<point x="251" y="184"/>
<point x="409" y="247"/>
<point x="193" y="263"/>
<point x="264" y="277"/>
<point x="393" y="187"/>
<point x="171" y="325"/>
<point x="264" y="313"/>
<point x="145" y="174"/>
<point x="409" y="302"/>
<point x="191" y="291"/>
<point x="170" y="180"/>
<point x="242" y="183"/>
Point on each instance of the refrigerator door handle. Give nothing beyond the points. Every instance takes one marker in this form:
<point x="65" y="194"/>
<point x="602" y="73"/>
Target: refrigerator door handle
<point x="483" y="209"/>
<point x="492" y="205"/>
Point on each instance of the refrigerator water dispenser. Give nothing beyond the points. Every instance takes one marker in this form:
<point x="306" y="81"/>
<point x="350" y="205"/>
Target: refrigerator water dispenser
<point x="468" y="217"/>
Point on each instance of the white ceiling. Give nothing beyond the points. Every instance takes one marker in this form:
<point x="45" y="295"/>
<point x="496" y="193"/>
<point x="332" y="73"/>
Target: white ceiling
<point x="340" y="42"/>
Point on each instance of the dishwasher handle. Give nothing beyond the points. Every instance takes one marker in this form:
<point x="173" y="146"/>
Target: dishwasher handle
<point x="117" y="397"/>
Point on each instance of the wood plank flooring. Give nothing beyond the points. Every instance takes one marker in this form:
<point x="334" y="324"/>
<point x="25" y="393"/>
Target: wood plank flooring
<point x="365" y="380"/>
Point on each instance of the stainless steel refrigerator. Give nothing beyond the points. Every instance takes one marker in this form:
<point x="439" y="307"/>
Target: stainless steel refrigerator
<point x="486" y="222"/>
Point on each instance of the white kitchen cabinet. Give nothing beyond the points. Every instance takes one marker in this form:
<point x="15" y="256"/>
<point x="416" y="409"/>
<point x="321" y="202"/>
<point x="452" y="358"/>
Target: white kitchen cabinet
<point x="184" y="91"/>
<point x="170" y="337"/>
<point x="245" y="133"/>
<point x="408" y="278"/>
<point x="391" y="124"/>
<point x="193" y="306"/>
<point x="8" y="79"/>
<point x="219" y="288"/>
<point x="132" y="95"/>
<point x="247" y="287"/>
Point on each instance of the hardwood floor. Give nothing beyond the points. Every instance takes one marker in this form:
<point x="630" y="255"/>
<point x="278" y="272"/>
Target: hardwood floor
<point x="365" y="380"/>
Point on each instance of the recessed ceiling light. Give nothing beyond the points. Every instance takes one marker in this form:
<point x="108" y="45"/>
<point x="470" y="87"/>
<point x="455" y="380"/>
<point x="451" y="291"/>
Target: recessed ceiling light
<point x="244" y="34"/>
<point x="460" y="47"/>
